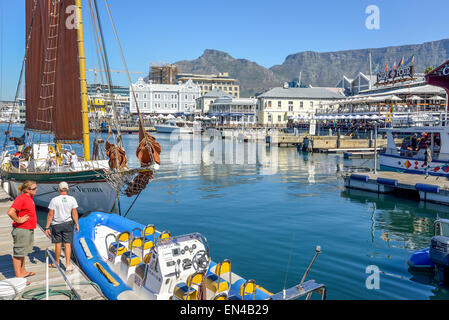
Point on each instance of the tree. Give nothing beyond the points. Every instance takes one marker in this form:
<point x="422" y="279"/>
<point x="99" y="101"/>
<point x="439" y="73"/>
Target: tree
<point x="428" y="69"/>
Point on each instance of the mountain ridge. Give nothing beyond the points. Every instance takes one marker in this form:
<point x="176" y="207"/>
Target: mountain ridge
<point x="317" y="68"/>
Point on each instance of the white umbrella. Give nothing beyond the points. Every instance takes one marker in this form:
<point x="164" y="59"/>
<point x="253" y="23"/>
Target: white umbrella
<point x="214" y="118"/>
<point x="170" y="116"/>
<point x="160" y="116"/>
<point x="366" y="117"/>
<point x="393" y="98"/>
<point x="414" y="98"/>
<point x="358" y="116"/>
<point x="206" y="118"/>
<point x="436" y="98"/>
<point x="374" y="117"/>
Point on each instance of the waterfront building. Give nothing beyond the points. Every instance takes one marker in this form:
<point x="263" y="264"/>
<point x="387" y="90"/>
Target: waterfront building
<point x="228" y="110"/>
<point x="204" y="102"/>
<point x="11" y="111"/>
<point x="165" y="99"/>
<point x="278" y="105"/>
<point x="207" y="83"/>
<point x="100" y="102"/>
<point x="360" y="83"/>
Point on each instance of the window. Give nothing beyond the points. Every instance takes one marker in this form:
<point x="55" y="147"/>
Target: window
<point x="137" y="95"/>
<point x="290" y="106"/>
<point x="301" y="104"/>
<point x="279" y="118"/>
<point x="279" y="104"/>
<point x="144" y="96"/>
<point x="311" y="104"/>
<point x="269" y="104"/>
<point x="269" y="118"/>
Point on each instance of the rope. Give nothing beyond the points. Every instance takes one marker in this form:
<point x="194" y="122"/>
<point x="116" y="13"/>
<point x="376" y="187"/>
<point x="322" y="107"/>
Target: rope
<point x="19" y="84"/>
<point x="41" y="293"/>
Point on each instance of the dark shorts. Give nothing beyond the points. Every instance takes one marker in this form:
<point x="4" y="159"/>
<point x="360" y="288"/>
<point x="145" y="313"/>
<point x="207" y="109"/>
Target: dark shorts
<point x="62" y="233"/>
<point x="23" y="241"/>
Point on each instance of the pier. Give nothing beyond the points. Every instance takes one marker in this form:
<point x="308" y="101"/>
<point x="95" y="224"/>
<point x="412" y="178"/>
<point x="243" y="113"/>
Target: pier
<point x="426" y="188"/>
<point x="36" y="261"/>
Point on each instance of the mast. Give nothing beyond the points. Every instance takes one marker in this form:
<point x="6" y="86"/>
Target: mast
<point x="82" y="64"/>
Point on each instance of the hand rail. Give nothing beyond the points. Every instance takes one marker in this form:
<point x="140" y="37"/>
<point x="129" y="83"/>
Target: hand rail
<point x="48" y="256"/>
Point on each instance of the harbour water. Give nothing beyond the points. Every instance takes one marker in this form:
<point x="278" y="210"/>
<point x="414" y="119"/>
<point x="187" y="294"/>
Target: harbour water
<point x="268" y="223"/>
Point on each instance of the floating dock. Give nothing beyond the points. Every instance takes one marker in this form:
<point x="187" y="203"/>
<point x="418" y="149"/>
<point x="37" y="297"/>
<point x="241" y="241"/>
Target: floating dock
<point x="427" y="188"/>
<point x="36" y="261"/>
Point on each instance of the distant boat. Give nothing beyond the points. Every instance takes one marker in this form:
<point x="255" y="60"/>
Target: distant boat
<point x="415" y="160"/>
<point x="171" y="126"/>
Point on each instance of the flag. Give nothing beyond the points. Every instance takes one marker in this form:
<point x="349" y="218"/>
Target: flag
<point x="401" y="62"/>
<point x="377" y="68"/>
<point x="411" y="60"/>
<point x="394" y="66"/>
<point x="386" y="67"/>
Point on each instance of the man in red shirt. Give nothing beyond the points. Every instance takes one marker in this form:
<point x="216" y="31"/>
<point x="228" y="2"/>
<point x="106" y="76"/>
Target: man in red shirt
<point x="23" y="213"/>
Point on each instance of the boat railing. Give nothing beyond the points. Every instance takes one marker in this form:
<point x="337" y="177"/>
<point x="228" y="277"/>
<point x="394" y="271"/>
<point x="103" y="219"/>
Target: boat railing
<point x="48" y="257"/>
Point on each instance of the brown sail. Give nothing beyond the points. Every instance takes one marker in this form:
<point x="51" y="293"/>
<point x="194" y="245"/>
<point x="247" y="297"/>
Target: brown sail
<point x="52" y="79"/>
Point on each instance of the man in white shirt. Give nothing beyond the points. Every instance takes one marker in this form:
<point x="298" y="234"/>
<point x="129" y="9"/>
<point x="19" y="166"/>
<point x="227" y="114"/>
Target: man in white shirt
<point x="61" y="215"/>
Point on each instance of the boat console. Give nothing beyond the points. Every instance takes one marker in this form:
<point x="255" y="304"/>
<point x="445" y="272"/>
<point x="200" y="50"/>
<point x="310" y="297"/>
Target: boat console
<point x="172" y="261"/>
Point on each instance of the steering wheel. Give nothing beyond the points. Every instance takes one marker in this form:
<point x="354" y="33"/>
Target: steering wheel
<point x="200" y="260"/>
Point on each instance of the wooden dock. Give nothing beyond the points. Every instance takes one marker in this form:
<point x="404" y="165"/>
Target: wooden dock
<point x="35" y="262"/>
<point x="428" y="188"/>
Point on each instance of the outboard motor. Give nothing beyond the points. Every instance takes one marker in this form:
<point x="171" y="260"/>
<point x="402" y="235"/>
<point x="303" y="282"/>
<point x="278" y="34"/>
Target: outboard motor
<point x="439" y="250"/>
<point x="439" y="254"/>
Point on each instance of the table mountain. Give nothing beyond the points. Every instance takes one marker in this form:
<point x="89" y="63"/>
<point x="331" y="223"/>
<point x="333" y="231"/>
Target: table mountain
<point x="317" y="68"/>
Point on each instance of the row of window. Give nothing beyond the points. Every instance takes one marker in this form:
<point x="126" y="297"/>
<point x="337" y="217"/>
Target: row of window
<point x="157" y="105"/>
<point x="290" y="105"/>
<point x="166" y="96"/>
<point x="221" y="88"/>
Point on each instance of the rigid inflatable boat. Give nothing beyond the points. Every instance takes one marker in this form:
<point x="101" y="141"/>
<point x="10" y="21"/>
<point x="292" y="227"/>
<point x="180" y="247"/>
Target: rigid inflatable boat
<point x="131" y="261"/>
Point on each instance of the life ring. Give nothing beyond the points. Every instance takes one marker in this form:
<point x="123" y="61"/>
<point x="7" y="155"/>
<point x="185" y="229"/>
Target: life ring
<point x="27" y="152"/>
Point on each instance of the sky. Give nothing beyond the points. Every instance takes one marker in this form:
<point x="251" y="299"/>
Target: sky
<point x="262" y="31"/>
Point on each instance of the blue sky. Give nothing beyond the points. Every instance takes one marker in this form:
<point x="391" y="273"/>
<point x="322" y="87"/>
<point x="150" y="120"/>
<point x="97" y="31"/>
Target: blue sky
<point x="265" y="32"/>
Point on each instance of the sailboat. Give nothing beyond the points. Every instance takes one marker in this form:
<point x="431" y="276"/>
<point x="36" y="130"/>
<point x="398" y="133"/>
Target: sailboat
<point x="57" y="105"/>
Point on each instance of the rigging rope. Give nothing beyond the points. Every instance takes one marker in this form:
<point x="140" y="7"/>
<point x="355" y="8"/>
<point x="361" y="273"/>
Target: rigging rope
<point x="19" y="84"/>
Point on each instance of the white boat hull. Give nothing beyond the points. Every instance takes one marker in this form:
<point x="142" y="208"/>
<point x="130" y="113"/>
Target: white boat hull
<point x="91" y="196"/>
<point x="169" y="129"/>
<point x="414" y="166"/>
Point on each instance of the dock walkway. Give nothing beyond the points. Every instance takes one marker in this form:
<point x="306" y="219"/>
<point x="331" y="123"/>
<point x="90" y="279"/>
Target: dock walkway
<point x="35" y="262"/>
<point x="430" y="188"/>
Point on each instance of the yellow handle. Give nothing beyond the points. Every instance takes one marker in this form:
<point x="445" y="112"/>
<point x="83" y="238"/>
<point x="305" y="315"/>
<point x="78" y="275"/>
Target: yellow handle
<point x="106" y="274"/>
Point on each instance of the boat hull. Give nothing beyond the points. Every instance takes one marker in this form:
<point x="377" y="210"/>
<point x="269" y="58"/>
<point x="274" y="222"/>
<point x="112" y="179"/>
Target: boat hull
<point x="89" y="188"/>
<point x="169" y="129"/>
<point x="414" y="166"/>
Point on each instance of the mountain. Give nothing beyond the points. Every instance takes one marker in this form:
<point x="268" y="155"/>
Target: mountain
<point x="253" y="77"/>
<point x="317" y="68"/>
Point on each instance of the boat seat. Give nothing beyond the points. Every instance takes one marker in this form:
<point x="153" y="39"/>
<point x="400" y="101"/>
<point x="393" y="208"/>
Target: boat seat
<point x="130" y="259"/>
<point x="140" y="269"/>
<point x="185" y="290"/>
<point x="221" y="296"/>
<point x="165" y="235"/>
<point x="215" y="282"/>
<point x="117" y="248"/>
<point x="149" y="236"/>
<point x="246" y="291"/>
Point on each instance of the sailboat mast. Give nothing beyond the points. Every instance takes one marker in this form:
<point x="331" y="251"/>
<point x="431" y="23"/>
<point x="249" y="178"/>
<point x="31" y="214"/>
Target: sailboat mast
<point x="83" y="79"/>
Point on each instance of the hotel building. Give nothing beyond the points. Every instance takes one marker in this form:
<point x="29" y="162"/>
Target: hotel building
<point x="207" y="83"/>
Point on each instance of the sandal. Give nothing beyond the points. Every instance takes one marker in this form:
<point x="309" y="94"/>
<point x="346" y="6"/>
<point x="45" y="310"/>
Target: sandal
<point x="69" y="269"/>
<point x="52" y="265"/>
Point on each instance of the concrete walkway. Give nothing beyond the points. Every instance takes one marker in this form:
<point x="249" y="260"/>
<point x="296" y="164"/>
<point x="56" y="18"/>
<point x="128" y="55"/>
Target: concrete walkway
<point x="35" y="262"/>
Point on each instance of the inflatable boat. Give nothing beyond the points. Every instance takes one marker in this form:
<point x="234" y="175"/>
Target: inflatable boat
<point x="436" y="257"/>
<point x="130" y="261"/>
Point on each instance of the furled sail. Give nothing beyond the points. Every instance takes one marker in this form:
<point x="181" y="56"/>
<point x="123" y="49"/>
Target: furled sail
<point x="52" y="79"/>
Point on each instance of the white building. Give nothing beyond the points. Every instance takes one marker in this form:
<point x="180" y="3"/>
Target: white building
<point x="230" y="110"/>
<point x="164" y="98"/>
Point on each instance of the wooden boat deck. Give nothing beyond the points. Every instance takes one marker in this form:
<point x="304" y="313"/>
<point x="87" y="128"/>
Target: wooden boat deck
<point x="35" y="261"/>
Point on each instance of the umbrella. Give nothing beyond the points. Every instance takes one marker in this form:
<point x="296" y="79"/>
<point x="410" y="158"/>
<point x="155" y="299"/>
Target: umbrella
<point x="160" y="116"/>
<point x="206" y="118"/>
<point x="393" y="98"/>
<point x="374" y="117"/>
<point x="414" y="98"/>
<point x="436" y="98"/>
<point x="366" y="117"/>
<point x="170" y="116"/>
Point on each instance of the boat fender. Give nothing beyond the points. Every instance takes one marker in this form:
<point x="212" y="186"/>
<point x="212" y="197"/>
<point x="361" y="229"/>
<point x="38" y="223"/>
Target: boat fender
<point x="386" y="181"/>
<point x="85" y="248"/>
<point x="359" y="177"/>
<point x="427" y="187"/>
